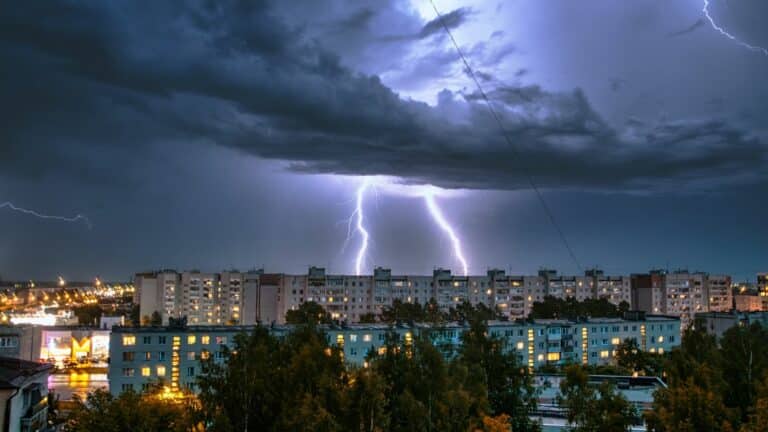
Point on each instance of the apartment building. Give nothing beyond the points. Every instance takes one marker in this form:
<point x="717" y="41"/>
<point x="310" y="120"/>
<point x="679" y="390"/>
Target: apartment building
<point x="229" y="297"/>
<point x="144" y="355"/>
<point x="681" y="293"/>
<point x="762" y="289"/>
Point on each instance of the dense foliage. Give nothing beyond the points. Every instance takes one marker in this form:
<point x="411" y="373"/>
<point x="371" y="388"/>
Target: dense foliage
<point x="591" y="408"/>
<point x="570" y="308"/>
<point x="130" y="412"/>
<point x="301" y="383"/>
<point x="715" y="387"/>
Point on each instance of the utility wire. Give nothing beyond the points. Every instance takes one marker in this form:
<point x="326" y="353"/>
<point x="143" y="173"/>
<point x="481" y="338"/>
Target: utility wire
<point x="504" y="133"/>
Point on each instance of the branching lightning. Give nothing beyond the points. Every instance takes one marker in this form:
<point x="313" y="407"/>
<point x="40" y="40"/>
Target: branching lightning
<point x="359" y="224"/>
<point x="356" y="222"/>
<point x="437" y="215"/>
<point x="73" y="219"/>
<point x="725" y="33"/>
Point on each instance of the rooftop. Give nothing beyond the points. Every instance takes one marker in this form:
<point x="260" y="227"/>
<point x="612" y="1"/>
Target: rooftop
<point x="11" y="369"/>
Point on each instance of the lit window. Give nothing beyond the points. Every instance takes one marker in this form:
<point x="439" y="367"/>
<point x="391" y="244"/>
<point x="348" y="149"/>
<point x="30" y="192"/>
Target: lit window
<point x="605" y="354"/>
<point x="204" y="355"/>
<point x="540" y="357"/>
<point x="129" y="340"/>
<point x="205" y="340"/>
<point x="553" y="356"/>
<point x="382" y="350"/>
<point x="145" y="371"/>
<point x="661" y="339"/>
<point x="615" y="341"/>
<point x="160" y="370"/>
<point x="191" y="355"/>
<point x="353" y="338"/>
<point x="366" y="338"/>
<point x="520" y="345"/>
<point x="191" y="339"/>
<point x="661" y="350"/>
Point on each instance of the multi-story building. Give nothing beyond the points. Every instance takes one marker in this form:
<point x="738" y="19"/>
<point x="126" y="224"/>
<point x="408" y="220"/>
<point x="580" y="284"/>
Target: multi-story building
<point x="237" y="298"/>
<point x="762" y="288"/>
<point x="144" y="355"/>
<point x="230" y="297"/>
<point x="717" y="323"/>
<point x="681" y="293"/>
<point x="748" y="302"/>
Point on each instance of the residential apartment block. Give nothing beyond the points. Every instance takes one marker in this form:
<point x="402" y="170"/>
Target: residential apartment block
<point x="681" y="293"/>
<point x="145" y="355"/>
<point x="247" y="298"/>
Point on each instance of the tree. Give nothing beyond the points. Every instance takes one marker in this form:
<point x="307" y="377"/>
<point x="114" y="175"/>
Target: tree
<point x="156" y="319"/>
<point x="693" y="400"/>
<point x="366" y="402"/>
<point x="401" y="311"/>
<point x="758" y="417"/>
<point x="88" y="314"/>
<point x="367" y="318"/>
<point x="308" y="313"/>
<point x="593" y="409"/>
<point x="570" y="308"/>
<point x="129" y="412"/>
<point x="499" y="423"/>
<point x="134" y="315"/>
<point x="746" y="348"/>
<point x="631" y="358"/>
<point x="507" y="384"/>
<point x="465" y="311"/>
<point x="264" y="381"/>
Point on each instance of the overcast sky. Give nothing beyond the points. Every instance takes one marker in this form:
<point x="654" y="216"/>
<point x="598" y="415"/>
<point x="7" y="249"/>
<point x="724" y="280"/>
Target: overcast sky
<point x="214" y="135"/>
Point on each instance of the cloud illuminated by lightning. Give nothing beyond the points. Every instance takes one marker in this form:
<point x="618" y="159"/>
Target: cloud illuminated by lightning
<point x="437" y="215"/>
<point x="36" y="214"/>
<point x="725" y="33"/>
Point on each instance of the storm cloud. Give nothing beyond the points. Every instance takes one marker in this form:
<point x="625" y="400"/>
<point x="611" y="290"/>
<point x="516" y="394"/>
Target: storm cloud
<point x="235" y="74"/>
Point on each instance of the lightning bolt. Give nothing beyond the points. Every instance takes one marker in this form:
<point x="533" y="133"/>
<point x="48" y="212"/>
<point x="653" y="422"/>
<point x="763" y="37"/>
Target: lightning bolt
<point x="437" y="215"/>
<point x="73" y="219"/>
<point x="725" y="33"/>
<point x="359" y="224"/>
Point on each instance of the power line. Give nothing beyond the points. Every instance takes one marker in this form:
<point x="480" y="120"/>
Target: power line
<point x="504" y="134"/>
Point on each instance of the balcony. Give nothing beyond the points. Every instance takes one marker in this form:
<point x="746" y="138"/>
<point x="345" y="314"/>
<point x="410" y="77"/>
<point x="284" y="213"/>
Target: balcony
<point x="36" y="418"/>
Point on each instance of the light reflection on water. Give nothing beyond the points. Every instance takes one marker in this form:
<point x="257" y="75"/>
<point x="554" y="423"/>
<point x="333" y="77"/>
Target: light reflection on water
<point x="80" y="383"/>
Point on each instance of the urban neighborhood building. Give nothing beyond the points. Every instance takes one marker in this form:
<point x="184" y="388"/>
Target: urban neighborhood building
<point x="142" y="356"/>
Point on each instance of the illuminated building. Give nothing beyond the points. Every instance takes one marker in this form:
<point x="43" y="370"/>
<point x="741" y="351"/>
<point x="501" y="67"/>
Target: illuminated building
<point x="143" y="355"/>
<point x="681" y="293"/>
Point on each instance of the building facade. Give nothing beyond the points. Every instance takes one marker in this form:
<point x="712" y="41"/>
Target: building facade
<point x="247" y="298"/>
<point x="717" y="323"/>
<point x="142" y="356"/>
<point x="681" y="293"/>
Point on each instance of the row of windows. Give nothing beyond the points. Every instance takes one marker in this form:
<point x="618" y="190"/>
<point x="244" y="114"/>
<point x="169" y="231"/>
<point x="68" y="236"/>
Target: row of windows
<point x="146" y="371"/>
<point x="129" y="356"/>
<point x="130" y="340"/>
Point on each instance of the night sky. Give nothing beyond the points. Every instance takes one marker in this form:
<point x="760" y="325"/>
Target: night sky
<point x="226" y="134"/>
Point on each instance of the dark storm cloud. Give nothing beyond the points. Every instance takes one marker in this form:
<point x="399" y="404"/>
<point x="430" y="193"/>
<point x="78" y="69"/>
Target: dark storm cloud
<point x="452" y="20"/>
<point x="97" y="78"/>
<point x="690" y="29"/>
